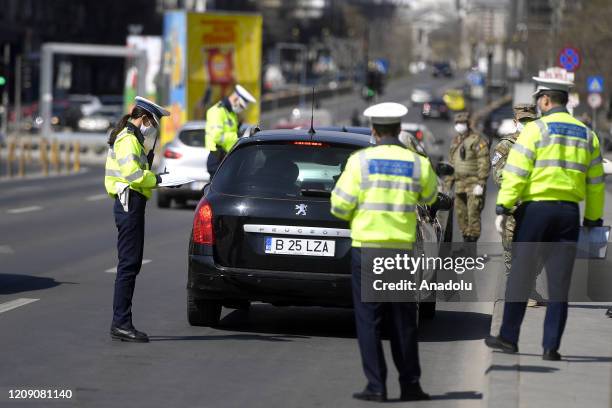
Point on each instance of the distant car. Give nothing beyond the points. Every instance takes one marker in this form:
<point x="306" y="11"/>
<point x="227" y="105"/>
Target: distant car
<point x="300" y="118"/>
<point x="495" y="118"/>
<point x="420" y="138"/>
<point x="263" y="230"/>
<point x="185" y="156"/>
<point x="436" y="108"/>
<point x="421" y="95"/>
<point x="442" y="69"/>
<point x="454" y="100"/>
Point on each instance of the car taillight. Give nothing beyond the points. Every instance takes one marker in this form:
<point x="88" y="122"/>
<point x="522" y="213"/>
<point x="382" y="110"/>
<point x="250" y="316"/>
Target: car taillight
<point x="203" y="224"/>
<point x="419" y="135"/>
<point x="315" y="144"/>
<point x="171" y="154"/>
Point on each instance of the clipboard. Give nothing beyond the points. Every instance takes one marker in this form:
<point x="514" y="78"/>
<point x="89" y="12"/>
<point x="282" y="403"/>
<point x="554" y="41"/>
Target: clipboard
<point x="593" y="242"/>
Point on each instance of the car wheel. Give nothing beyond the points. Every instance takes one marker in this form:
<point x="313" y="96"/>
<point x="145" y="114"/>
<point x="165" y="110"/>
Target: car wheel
<point x="163" y="201"/>
<point x="203" y="312"/>
<point x="427" y="310"/>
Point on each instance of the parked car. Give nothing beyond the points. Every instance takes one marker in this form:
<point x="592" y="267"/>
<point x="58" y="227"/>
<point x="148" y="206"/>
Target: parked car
<point x="436" y="108"/>
<point x="442" y="69"/>
<point x="421" y="95"/>
<point x="423" y="140"/>
<point x="275" y="186"/>
<point x="186" y="156"/>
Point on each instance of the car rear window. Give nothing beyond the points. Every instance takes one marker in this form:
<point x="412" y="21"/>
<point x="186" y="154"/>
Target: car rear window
<point x="282" y="171"/>
<point x="192" y="137"/>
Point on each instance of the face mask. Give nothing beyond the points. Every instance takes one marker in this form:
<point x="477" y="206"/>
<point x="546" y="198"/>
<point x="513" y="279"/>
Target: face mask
<point x="461" y="128"/>
<point x="237" y="108"/>
<point x="147" y="131"/>
<point x="519" y="127"/>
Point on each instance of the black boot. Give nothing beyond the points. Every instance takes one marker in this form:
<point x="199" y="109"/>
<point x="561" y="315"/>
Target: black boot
<point x="413" y="392"/>
<point x="368" y="395"/>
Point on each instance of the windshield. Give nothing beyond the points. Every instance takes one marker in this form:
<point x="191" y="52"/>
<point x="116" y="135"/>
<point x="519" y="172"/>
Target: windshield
<point x="282" y="170"/>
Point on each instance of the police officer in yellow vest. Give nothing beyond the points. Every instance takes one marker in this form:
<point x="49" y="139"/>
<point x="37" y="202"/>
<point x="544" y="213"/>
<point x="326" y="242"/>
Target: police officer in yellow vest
<point x="378" y="193"/>
<point x="129" y="181"/>
<point x="554" y="164"/>
<point x="222" y="126"/>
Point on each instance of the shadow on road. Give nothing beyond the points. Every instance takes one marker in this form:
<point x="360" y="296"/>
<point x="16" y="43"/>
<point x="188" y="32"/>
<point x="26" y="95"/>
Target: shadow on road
<point x="602" y="307"/>
<point x="15" y="283"/>
<point x="455" y="326"/>
<point x="576" y="359"/>
<point x="521" y="368"/>
<point x="453" y="395"/>
<point x="228" y="337"/>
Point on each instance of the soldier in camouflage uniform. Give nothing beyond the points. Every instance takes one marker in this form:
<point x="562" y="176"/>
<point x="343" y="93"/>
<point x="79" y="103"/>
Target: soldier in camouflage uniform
<point x="523" y="114"/>
<point x="469" y="155"/>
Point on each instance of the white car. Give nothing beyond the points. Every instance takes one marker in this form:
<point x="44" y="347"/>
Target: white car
<point x="184" y="156"/>
<point x="421" y="95"/>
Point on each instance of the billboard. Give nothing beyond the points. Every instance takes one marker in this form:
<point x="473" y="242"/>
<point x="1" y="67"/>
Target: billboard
<point x="205" y="55"/>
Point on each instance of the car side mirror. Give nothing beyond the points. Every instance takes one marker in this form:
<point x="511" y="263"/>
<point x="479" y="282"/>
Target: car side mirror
<point x="444" y="169"/>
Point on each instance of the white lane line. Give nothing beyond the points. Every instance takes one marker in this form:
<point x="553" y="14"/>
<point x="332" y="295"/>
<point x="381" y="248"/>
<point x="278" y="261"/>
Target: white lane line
<point x="14" y="304"/>
<point x="24" y="209"/>
<point x="114" y="270"/>
<point x="96" y="197"/>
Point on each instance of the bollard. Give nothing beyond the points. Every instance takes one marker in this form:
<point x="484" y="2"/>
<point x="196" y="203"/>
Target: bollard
<point x="77" y="157"/>
<point x="28" y="150"/>
<point x="22" y="158"/>
<point x="67" y="157"/>
<point x="44" y="156"/>
<point x="10" y="158"/>
<point x="55" y="158"/>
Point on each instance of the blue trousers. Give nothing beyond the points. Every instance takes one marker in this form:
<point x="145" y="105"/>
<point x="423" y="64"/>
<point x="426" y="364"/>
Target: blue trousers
<point x="402" y="320"/>
<point x="547" y="222"/>
<point x="130" y="246"/>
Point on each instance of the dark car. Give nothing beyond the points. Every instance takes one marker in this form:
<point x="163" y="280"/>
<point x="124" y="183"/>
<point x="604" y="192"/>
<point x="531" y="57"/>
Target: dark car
<point x="263" y="230"/>
<point x="495" y="119"/>
<point x="442" y="69"/>
<point x="436" y="108"/>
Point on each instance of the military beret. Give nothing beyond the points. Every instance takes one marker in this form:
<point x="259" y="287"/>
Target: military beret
<point x="525" y="111"/>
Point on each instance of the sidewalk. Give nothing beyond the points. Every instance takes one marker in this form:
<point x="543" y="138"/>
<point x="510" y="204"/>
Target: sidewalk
<point x="582" y="379"/>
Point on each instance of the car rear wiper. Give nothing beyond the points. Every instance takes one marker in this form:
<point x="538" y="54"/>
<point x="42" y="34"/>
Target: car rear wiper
<point x="315" y="192"/>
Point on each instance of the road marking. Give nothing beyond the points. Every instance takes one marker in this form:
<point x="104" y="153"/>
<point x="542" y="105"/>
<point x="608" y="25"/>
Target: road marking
<point x="97" y="197"/>
<point x="114" y="270"/>
<point x="6" y="250"/>
<point x="24" y="209"/>
<point x="14" y="304"/>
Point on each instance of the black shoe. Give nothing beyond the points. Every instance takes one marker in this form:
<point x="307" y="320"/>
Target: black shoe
<point x="131" y="335"/>
<point x="551" y="355"/>
<point x="413" y="392"/>
<point x="500" y="344"/>
<point x="367" y="395"/>
<point x="609" y="312"/>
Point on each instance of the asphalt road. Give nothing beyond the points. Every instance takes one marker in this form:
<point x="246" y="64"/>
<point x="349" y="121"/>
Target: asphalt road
<point x="57" y="254"/>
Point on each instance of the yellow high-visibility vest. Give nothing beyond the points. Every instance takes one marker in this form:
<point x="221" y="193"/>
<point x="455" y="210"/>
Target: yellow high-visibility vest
<point x="221" y="128"/>
<point x="378" y="193"/>
<point x="555" y="158"/>
<point x="127" y="163"/>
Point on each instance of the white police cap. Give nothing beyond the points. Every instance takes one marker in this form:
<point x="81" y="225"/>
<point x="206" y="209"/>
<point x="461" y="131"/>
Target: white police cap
<point x="386" y="113"/>
<point x="552" y="84"/>
<point x="154" y="109"/>
<point x="244" y="95"/>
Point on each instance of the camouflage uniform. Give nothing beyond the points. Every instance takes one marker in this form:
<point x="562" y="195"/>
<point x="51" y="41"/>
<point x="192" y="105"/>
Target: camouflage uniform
<point x="523" y="112"/>
<point x="469" y="155"/>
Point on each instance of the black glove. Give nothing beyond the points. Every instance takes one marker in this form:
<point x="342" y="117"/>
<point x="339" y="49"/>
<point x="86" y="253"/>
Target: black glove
<point x="592" y="223"/>
<point x="501" y="210"/>
<point x="158" y="177"/>
<point x="150" y="157"/>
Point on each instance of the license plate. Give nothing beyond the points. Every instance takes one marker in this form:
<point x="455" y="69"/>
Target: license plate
<point x="197" y="185"/>
<point x="300" y="246"/>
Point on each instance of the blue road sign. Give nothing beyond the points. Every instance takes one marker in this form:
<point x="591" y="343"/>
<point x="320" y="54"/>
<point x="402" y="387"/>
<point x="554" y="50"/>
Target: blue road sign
<point x="595" y="84"/>
<point x="569" y="58"/>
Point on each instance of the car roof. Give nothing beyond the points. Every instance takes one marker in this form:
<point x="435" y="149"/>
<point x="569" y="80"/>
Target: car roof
<point x="193" y="124"/>
<point x="329" y="136"/>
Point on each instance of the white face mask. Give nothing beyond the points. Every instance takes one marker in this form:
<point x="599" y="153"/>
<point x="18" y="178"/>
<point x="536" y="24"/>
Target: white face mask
<point x="237" y="108"/>
<point x="461" y="128"/>
<point x="519" y="127"/>
<point x="147" y="131"/>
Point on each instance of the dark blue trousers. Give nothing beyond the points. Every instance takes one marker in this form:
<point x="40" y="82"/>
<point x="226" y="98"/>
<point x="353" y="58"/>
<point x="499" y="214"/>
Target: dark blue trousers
<point x="130" y="246"/>
<point x="551" y="228"/>
<point x="402" y="321"/>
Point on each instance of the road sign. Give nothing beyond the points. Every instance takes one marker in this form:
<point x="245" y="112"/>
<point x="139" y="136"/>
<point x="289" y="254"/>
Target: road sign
<point x="594" y="100"/>
<point x="569" y="58"/>
<point x="595" y="84"/>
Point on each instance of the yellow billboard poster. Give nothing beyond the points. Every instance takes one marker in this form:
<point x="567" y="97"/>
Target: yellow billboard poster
<point x="222" y="50"/>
